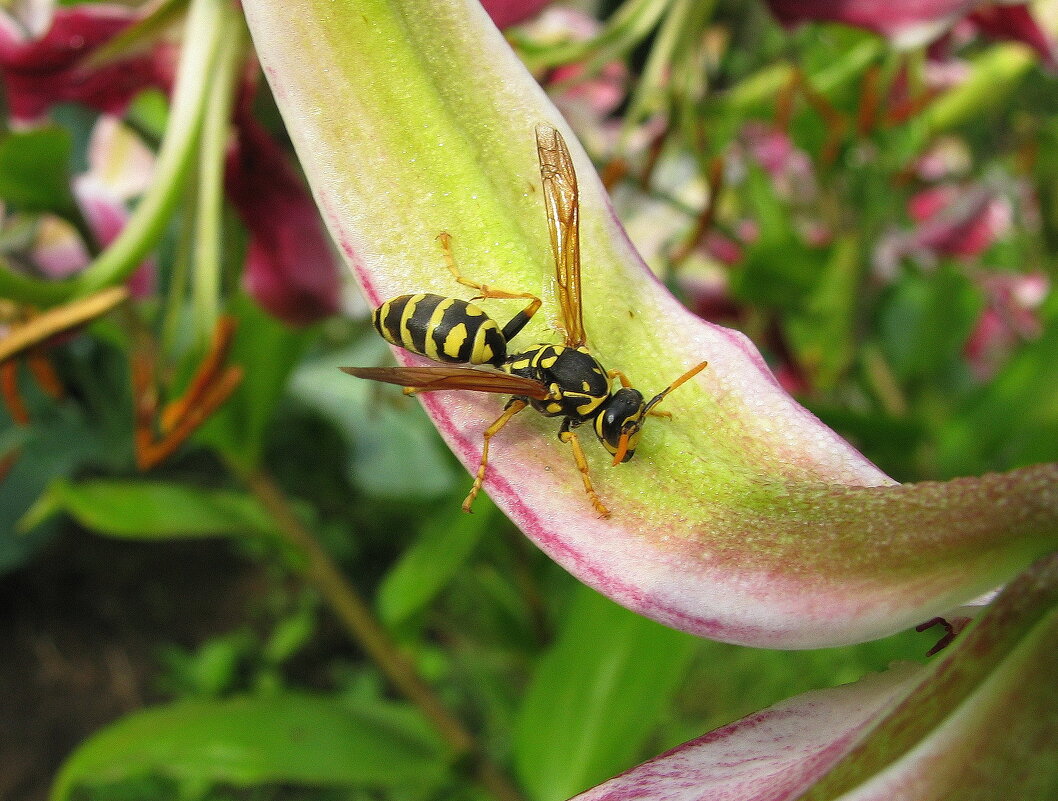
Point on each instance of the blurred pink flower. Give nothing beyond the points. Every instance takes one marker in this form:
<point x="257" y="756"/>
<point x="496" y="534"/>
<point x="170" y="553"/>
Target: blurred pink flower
<point x="600" y="95"/>
<point x="953" y="220"/>
<point x="1016" y="23"/>
<point x="119" y="168"/>
<point x="290" y="267"/>
<point x="707" y="292"/>
<point x="40" y="71"/>
<point x="586" y="101"/>
<point x="910" y="23"/>
<point x="723" y="248"/>
<point x="1010" y="317"/>
<point x="946" y="158"/>
<point x="790" y="168"/>
<point x="907" y="22"/>
<point x="958" y="222"/>
<point x="510" y="12"/>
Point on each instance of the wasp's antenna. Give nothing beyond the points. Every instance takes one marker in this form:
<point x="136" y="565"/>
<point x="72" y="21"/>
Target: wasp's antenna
<point x="683" y="378"/>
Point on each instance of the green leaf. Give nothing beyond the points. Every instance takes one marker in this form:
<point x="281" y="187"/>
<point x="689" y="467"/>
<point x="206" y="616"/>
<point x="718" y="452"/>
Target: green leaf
<point x="779" y="269"/>
<point x="268" y="352"/>
<point x="926" y="321"/>
<point x="153" y="510"/>
<point x="443" y="546"/>
<point x="821" y="333"/>
<point x="596" y="697"/>
<point x="57" y="443"/>
<point x="394" y="451"/>
<point x="1013" y="420"/>
<point x="290" y="739"/>
<point x="35" y="171"/>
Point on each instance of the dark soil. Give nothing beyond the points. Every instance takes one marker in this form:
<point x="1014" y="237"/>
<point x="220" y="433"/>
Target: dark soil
<point x="81" y="627"/>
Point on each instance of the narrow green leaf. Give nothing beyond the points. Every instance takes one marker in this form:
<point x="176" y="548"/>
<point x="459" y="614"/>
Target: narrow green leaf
<point x="442" y="548"/>
<point x="154" y="510"/>
<point x="821" y="333"/>
<point x="57" y="443"/>
<point x="596" y="697"/>
<point x="289" y="739"/>
<point x="993" y="76"/>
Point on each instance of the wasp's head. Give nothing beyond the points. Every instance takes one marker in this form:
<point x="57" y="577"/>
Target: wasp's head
<point x="620" y="421"/>
<point x="618" y="424"/>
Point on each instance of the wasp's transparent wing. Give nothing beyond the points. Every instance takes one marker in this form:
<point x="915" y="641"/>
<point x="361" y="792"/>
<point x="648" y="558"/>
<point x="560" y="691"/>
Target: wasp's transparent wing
<point x="560" y="200"/>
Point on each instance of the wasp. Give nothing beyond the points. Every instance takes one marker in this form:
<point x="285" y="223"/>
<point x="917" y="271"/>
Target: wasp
<point x="564" y="380"/>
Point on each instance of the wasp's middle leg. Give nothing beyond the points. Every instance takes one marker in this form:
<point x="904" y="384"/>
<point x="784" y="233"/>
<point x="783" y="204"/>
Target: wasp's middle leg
<point x="566" y="434"/>
<point x="512" y="409"/>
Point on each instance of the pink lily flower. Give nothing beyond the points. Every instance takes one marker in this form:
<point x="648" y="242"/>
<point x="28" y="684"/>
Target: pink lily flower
<point x="119" y="169"/>
<point x="40" y="71"/>
<point x="955" y="222"/>
<point x="1011" y="317"/>
<point x="952" y="221"/>
<point x="290" y="269"/>
<point x="510" y="12"/>
<point x="910" y="23"/>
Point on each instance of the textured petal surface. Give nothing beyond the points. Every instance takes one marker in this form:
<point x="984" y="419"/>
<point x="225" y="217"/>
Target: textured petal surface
<point x="743" y="518"/>
<point x="914" y="733"/>
<point x="773" y="755"/>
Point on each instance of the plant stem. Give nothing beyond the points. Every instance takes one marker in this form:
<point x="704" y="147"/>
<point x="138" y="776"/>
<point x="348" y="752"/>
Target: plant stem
<point x="361" y="625"/>
<point x="209" y="223"/>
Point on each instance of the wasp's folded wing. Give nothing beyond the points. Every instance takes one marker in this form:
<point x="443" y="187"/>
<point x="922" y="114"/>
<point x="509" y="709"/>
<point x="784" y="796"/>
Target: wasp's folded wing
<point x="433" y="379"/>
<point x="560" y="199"/>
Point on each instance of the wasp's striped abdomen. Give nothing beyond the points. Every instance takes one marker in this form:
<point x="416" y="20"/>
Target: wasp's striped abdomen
<point x="442" y="329"/>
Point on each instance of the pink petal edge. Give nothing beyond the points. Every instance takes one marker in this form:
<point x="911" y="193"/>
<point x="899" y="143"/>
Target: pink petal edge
<point x="772" y="755"/>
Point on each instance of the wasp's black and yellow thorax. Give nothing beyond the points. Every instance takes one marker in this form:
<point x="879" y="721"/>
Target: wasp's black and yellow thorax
<point x="442" y="329"/>
<point x="578" y="382"/>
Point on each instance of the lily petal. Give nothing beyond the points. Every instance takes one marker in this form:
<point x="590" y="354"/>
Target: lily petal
<point x="743" y="518"/>
<point x="911" y="733"/>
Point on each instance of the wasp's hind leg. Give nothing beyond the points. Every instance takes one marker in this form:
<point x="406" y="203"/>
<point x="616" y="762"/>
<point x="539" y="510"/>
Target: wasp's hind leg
<point x="485" y="291"/>
<point x="566" y="434"/>
<point x="512" y="409"/>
